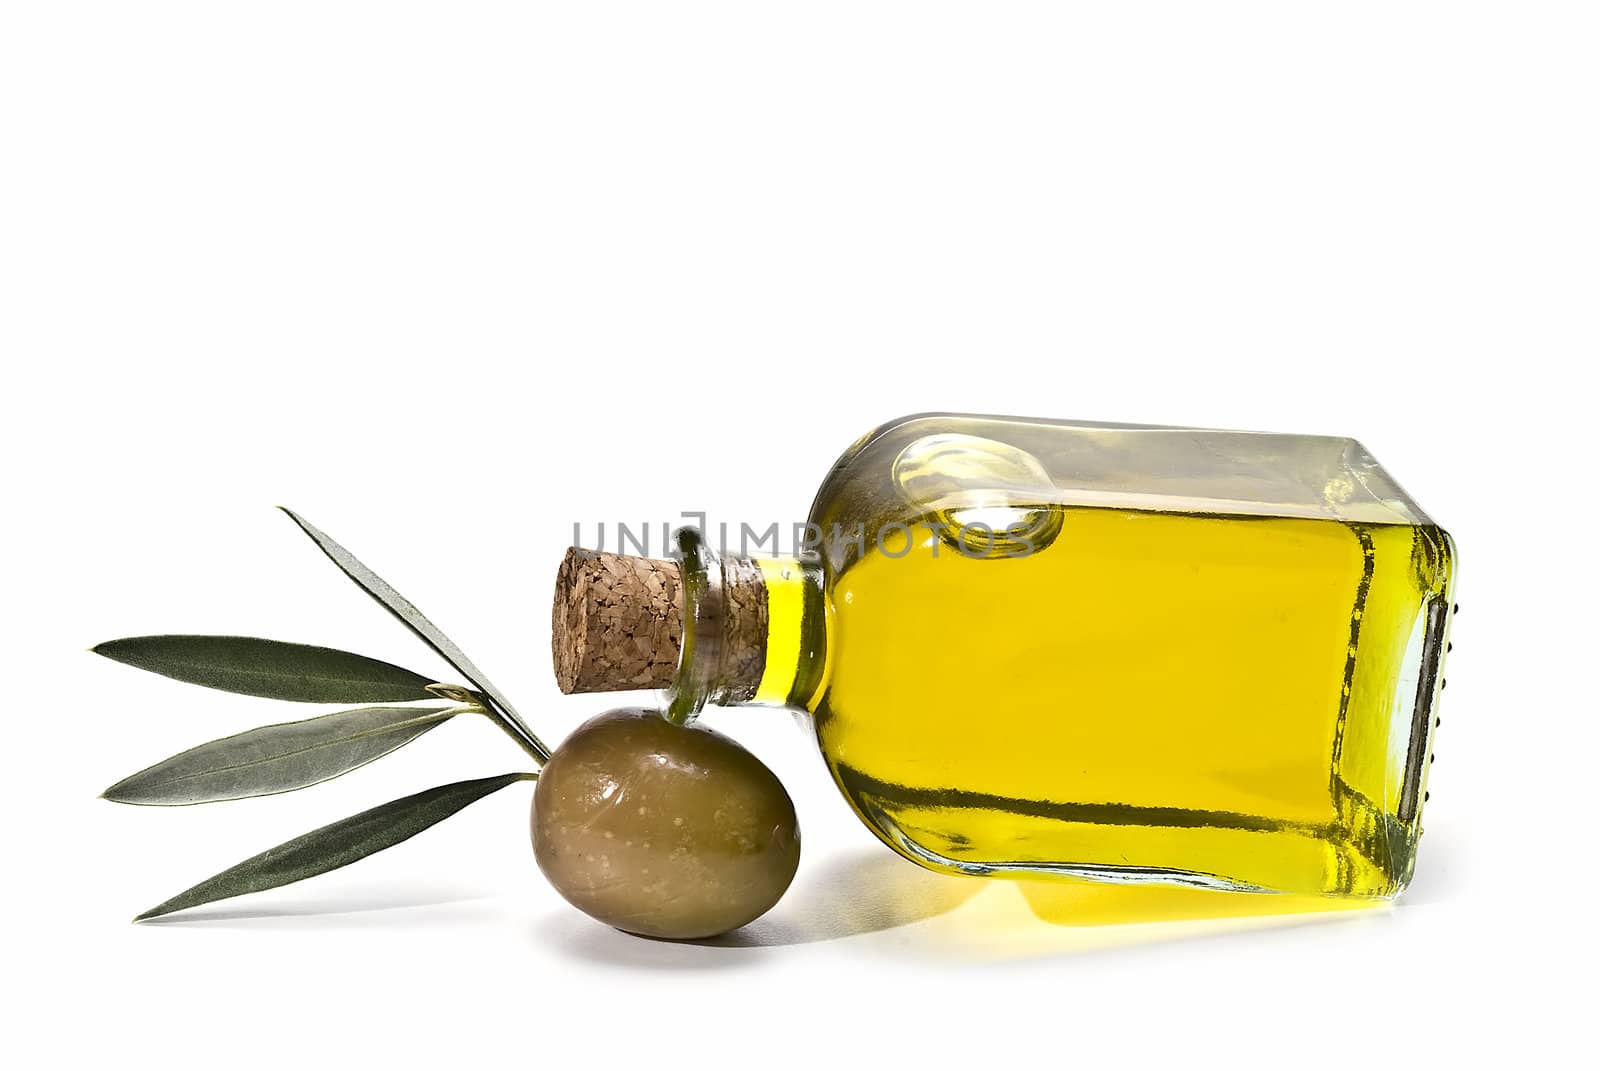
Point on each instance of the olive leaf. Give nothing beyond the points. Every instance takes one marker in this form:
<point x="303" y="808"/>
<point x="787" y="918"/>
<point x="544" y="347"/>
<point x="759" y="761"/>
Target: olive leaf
<point x="500" y="707"/>
<point x="339" y="844"/>
<point x="278" y="758"/>
<point x="271" y="669"/>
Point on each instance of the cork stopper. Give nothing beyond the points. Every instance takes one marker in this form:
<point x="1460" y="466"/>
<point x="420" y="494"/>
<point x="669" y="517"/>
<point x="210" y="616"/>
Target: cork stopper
<point x="617" y="625"/>
<point x="617" y="622"/>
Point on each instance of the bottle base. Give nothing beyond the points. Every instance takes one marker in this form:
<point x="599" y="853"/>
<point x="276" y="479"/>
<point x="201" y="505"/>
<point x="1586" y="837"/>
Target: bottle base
<point x="957" y="833"/>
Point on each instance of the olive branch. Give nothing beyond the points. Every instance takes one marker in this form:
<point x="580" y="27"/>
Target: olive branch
<point x="285" y="757"/>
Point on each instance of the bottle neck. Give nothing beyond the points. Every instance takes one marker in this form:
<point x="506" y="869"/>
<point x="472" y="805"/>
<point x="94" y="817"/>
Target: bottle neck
<point x="755" y="631"/>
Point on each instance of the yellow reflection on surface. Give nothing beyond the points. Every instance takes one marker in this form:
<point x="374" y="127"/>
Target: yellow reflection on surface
<point x="1021" y="920"/>
<point x="1084" y="903"/>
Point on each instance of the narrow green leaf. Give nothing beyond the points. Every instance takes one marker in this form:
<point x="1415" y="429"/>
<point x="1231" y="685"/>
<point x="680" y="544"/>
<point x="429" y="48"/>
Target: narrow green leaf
<point x="271" y="669"/>
<point x="374" y="585"/>
<point x="337" y="845"/>
<point x="277" y="758"/>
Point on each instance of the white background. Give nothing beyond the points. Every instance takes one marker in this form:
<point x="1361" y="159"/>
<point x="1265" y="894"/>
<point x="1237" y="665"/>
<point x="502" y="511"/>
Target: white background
<point x="449" y="277"/>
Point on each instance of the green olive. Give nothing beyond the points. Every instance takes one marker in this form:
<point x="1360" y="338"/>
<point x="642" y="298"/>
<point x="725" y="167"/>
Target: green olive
<point x="663" y="830"/>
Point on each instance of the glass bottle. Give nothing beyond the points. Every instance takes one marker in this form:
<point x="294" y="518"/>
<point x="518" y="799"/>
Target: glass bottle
<point x="1119" y="652"/>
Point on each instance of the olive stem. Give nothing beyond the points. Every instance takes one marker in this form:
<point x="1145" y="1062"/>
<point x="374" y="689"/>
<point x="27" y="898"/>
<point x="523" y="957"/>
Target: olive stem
<point x="471" y="701"/>
<point x="475" y="702"/>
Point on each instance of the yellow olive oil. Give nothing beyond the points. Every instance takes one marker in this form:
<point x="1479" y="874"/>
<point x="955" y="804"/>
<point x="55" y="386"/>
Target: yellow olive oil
<point x="1210" y="699"/>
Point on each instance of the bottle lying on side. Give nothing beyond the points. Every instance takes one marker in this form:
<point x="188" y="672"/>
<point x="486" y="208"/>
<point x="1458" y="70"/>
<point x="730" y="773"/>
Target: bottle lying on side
<point x="1043" y="647"/>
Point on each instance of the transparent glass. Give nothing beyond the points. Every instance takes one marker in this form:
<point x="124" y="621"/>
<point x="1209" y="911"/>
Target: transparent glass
<point x="1118" y="652"/>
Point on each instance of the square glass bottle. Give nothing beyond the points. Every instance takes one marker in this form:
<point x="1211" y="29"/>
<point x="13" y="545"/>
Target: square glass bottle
<point x="1117" y="652"/>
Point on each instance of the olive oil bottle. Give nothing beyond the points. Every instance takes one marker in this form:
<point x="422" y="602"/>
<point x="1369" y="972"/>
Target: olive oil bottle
<point x="1035" y="647"/>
